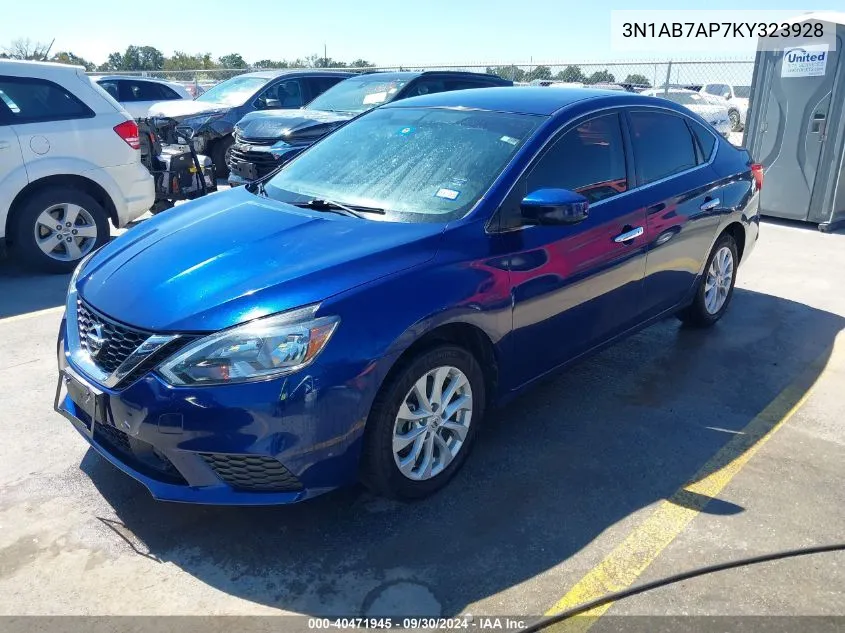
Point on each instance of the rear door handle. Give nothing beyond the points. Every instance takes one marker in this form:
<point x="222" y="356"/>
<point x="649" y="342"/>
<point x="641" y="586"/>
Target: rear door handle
<point x="4" y="144"/>
<point x="627" y="236"/>
<point x="710" y="204"/>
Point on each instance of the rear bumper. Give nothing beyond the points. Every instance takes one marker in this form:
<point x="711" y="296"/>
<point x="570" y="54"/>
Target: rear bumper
<point x="134" y="191"/>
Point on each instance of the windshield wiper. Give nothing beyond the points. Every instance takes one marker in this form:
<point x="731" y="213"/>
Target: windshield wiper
<point x="322" y="204"/>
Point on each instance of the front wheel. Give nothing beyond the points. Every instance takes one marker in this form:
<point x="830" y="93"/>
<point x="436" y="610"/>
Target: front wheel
<point x="423" y="424"/>
<point x="220" y="156"/>
<point x="716" y="287"/>
<point x="735" y="119"/>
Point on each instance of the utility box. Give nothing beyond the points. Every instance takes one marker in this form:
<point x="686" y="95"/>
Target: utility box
<point x="796" y="127"/>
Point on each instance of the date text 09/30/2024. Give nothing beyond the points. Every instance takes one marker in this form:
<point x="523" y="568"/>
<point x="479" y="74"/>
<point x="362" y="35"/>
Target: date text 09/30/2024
<point x="465" y="622"/>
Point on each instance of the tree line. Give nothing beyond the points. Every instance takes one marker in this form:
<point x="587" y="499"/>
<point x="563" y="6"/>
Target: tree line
<point x="571" y="73"/>
<point x="149" y="58"/>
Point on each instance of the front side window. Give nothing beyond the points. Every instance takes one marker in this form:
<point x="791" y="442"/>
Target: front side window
<point x="31" y="100"/>
<point x="656" y="158"/>
<point x="284" y="94"/>
<point x="233" y="92"/>
<point x="358" y="94"/>
<point x="588" y="159"/>
<point x="743" y="92"/>
<point x="417" y="164"/>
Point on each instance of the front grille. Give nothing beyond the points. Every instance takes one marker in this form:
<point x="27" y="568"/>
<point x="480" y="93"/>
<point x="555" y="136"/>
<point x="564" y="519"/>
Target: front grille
<point x="253" y="473"/>
<point x="119" y="341"/>
<point x="264" y="162"/>
<point x="138" y="454"/>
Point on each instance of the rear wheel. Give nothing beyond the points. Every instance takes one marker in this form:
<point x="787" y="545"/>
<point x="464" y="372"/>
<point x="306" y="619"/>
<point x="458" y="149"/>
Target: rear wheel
<point x="58" y="227"/>
<point x="716" y="287"/>
<point x="423" y="424"/>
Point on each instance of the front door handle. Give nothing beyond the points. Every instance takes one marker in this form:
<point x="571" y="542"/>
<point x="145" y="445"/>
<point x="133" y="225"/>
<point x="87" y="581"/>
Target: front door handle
<point x="627" y="236"/>
<point x="710" y="204"/>
<point x="4" y="144"/>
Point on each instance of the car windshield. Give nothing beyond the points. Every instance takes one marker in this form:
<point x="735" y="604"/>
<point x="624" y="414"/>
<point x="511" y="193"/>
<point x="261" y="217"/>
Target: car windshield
<point x="417" y="164"/>
<point x="234" y="92"/>
<point x="743" y="92"/>
<point x="358" y="94"/>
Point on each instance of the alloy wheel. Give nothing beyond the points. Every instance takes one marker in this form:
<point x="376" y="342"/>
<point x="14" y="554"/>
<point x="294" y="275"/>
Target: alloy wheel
<point x="432" y="423"/>
<point x="65" y="232"/>
<point x="717" y="285"/>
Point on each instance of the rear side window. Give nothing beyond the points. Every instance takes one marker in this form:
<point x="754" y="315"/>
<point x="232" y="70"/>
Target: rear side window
<point x="33" y="100"/>
<point x="706" y="141"/>
<point x="320" y="84"/>
<point x="144" y="91"/>
<point x="588" y="159"/>
<point x="662" y="144"/>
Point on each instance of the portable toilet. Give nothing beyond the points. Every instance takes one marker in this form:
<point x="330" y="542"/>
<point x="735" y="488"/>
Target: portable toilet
<point x="796" y="126"/>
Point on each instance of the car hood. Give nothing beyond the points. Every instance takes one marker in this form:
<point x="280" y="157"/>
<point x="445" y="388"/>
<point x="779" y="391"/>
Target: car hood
<point x="709" y="111"/>
<point x="182" y="108"/>
<point x="291" y="126"/>
<point x="231" y="257"/>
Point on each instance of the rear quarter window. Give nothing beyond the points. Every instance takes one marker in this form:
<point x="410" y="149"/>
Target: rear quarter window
<point x="34" y="100"/>
<point x="705" y="139"/>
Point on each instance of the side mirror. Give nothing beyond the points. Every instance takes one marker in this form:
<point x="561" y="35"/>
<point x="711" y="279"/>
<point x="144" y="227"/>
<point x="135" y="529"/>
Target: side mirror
<point x="272" y="104"/>
<point x="554" y="206"/>
<point x="726" y="95"/>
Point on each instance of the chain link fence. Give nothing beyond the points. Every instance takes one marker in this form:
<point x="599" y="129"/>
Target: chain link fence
<point x="629" y="74"/>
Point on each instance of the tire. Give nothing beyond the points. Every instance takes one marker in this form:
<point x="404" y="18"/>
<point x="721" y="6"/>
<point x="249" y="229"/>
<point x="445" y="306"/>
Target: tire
<point x="219" y="152"/>
<point x="380" y="470"/>
<point x="90" y="222"/>
<point x="735" y="119"/>
<point x="702" y="312"/>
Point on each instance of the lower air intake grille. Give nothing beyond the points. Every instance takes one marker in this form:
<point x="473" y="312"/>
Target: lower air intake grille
<point x="253" y="473"/>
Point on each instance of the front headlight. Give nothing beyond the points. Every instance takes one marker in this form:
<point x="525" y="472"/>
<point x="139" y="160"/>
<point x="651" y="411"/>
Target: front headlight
<point x="264" y="348"/>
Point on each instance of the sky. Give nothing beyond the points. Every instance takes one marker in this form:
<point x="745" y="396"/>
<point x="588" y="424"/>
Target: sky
<point x="385" y="32"/>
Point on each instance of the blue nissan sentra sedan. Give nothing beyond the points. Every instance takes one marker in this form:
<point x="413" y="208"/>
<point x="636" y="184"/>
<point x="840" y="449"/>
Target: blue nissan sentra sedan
<point x="355" y="316"/>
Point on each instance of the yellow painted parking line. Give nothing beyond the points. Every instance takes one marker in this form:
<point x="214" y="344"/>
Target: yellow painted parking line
<point x="624" y="565"/>
<point x="30" y="315"/>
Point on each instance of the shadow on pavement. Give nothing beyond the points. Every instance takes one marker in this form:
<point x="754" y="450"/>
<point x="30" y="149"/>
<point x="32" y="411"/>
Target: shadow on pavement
<point x="551" y="472"/>
<point x="25" y="291"/>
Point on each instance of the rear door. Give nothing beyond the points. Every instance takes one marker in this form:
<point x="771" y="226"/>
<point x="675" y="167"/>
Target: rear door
<point x="13" y="176"/>
<point x="576" y="286"/>
<point x="681" y="204"/>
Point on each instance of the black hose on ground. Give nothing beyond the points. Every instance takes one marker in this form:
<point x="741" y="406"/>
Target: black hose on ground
<point x="668" y="580"/>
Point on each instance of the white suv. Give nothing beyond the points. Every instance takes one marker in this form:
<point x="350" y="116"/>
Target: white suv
<point x="736" y="98"/>
<point x="69" y="163"/>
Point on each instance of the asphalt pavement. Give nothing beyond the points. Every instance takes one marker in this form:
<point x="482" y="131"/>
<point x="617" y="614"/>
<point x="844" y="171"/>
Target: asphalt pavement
<point x="674" y="449"/>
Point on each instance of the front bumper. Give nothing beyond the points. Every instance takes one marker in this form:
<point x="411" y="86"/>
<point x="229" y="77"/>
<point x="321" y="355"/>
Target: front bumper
<point x="264" y="443"/>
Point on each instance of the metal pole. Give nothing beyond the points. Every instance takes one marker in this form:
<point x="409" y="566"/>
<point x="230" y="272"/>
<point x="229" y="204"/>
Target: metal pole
<point x="668" y="77"/>
<point x="654" y="83"/>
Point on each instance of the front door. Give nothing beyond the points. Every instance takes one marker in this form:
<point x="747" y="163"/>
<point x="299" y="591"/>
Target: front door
<point x="795" y="116"/>
<point x="576" y="286"/>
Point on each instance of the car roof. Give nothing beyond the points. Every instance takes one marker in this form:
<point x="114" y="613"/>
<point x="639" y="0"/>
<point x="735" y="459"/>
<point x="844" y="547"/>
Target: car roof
<point x="278" y="72"/>
<point x="521" y="99"/>
<point x="131" y="77"/>
<point x="25" y="63"/>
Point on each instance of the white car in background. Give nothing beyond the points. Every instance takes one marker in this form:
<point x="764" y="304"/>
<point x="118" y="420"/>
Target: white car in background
<point x="735" y="96"/>
<point x="137" y="94"/>
<point x="69" y="164"/>
<point x="716" y="114"/>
